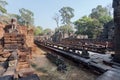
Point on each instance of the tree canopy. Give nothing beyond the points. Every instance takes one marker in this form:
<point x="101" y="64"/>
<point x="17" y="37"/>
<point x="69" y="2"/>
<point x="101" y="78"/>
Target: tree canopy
<point x="3" y="3"/>
<point x="27" y="16"/>
<point x="47" y="31"/>
<point x="92" y="25"/>
<point x="66" y="14"/>
<point x="88" y="26"/>
<point x="38" y="30"/>
<point x="101" y="13"/>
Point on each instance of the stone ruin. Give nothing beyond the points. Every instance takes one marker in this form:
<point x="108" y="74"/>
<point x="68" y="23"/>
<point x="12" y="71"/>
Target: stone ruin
<point x="15" y="51"/>
<point x="116" y="6"/>
<point x="108" y="31"/>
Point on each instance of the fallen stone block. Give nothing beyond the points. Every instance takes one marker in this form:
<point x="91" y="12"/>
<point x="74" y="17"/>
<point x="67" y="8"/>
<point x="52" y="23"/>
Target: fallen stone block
<point x="25" y="72"/>
<point x="4" y="64"/>
<point x="2" y="59"/>
<point x="30" y="77"/>
<point x="10" y="71"/>
<point x="2" y="70"/>
<point x="6" y="54"/>
<point x="8" y="77"/>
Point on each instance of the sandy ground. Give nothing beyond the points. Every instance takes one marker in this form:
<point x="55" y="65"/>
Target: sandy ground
<point x="48" y="71"/>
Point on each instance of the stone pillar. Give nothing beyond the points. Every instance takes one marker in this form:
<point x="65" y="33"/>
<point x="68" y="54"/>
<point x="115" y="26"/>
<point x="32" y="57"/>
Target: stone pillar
<point x="116" y="6"/>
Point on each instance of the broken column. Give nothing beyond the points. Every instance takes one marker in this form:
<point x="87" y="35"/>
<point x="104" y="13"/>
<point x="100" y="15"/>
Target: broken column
<point x="116" y="6"/>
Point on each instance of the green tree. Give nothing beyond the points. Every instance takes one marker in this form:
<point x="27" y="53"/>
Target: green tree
<point x="47" y="31"/>
<point x="65" y="29"/>
<point x="66" y="14"/>
<point x="88" y="26"/>
<point x="93" y="25"/>
<point x="3" y="3"/>
<point x="27" y="17"/>
<point x="101" y="13"/>
<point x="38" y="30"/>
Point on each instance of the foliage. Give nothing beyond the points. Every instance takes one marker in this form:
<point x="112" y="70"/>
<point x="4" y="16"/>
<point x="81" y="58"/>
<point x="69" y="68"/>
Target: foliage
<point x="5" y="19"/>
<point x="47" y="31"/>
<point x="93" y="24"/>
<point x="88" y="26"/>
<point x="27" y="17"/>
<point x="66" y="29"/>
<point x="38" y="30"/>
<point x="66" y="14"/>
<point x="101" y="13"/>
<point x="2" y="6"/>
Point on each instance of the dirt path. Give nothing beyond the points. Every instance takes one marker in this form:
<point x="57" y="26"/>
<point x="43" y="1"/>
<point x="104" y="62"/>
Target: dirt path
<point x="48" y="71"/>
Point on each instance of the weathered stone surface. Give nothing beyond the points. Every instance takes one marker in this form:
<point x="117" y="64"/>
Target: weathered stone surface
<point x="13" y="41"/>
<point x="2" y="70"/>
<point x="1" y="30"/>
<point x="18" y="46"/>
<point x="8" y="77"/>
<point x="10" y="71"/>
<point x="2" y="59"/>
<point x="25" y="72"/>
<point x="22" y="65"/>
<point x="108" y="31"/>
<point x="6" y="54"/>
<point x="30" y="77"/>
<point x="116" y="6"/>
<point x="110" y="75"/>
<point x="1" y="50"/>
<point x="12" y="63"/>
<point x="85" y="54"/>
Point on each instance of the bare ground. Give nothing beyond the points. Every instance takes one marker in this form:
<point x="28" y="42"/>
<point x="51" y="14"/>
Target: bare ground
<point x="48" y="71"/>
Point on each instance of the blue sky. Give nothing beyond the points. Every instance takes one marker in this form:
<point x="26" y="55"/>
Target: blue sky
<point x="44" y="10"/>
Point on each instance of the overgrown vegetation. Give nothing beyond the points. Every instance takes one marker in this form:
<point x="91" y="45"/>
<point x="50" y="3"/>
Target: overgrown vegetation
<point x="91" y="25"/>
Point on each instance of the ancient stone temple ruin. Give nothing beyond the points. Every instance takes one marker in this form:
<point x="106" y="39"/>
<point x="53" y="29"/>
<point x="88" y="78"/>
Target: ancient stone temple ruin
<point x="116" y="6"/>
<point x="16" y="44"/>
<point x="108" y="31"/>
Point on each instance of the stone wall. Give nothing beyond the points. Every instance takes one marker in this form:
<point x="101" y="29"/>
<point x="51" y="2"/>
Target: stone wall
<point x="116" y="6"/>
<point x="108" y="31"/>
<point x="1" y="30"/>
<point x="28" y="32"/>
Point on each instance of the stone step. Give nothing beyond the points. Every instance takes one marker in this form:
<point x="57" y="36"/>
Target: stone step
<point x="10" y="71"/>
<point x="2" y="59"/>
<point x="6" y="54"/>
<point x="22" y="65"/>
<point x="2" y="70"/>
<point x="25" y="72"/>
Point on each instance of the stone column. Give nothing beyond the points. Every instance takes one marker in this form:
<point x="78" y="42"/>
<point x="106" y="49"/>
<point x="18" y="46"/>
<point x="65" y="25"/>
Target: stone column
<point x="116" y="6"/>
